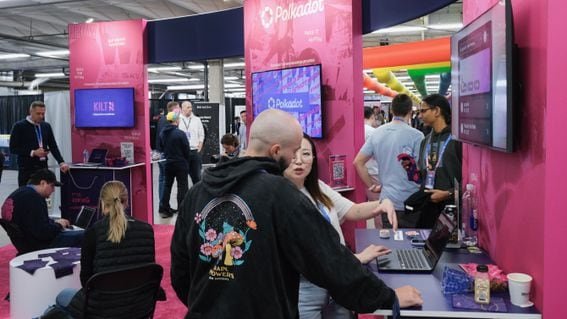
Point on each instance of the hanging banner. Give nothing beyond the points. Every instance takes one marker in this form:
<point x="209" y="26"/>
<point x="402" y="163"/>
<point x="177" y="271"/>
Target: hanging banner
<point x="209" y="115"/>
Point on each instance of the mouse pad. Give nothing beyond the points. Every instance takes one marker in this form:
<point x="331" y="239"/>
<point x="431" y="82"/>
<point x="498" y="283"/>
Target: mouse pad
<point x="462" y="301"/>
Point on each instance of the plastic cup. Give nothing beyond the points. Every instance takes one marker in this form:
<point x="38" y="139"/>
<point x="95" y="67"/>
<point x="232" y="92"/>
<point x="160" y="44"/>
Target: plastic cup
<point x="519" y="285"/>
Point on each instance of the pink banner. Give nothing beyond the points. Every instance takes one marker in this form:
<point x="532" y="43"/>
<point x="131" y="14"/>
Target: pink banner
<point x="283" y="34"/>
<point x="112" y="55"/>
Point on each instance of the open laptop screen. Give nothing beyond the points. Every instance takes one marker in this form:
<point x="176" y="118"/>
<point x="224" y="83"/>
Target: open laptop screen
<point x="440" y="234"/>
<point x="85" y="217"/>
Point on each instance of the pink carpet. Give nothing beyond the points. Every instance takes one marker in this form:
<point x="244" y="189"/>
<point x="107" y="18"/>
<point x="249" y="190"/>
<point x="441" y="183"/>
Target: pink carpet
<point x="170" y="309"/>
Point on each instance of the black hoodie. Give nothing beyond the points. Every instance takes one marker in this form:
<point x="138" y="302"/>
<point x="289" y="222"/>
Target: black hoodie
<point x="175" y="146"/>
<point x="245" y="234"/>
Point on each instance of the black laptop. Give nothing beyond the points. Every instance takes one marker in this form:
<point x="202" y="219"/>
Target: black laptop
<point x="97" y="158"/>
<point x="85" y="217"/>
<point x="415" y="260"/>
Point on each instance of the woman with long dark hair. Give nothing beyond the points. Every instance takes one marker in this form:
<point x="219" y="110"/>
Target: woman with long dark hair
<point x="314" y="301"/>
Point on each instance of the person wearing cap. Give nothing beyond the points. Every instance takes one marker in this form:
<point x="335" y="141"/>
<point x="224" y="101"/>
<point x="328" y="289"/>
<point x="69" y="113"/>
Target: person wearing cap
<point x="175" y="147"/>
<point x="26" y="207"/>
<point x="32" y="140"/>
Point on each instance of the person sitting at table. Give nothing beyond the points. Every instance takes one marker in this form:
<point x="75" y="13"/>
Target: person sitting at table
<point x="27" y="208"/>
<point x="313" y="300"/>
<point x="116" y="241"/>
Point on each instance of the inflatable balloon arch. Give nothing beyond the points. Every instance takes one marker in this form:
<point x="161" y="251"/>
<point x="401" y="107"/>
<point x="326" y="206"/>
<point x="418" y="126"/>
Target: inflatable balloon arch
<point x="428" y="57"/>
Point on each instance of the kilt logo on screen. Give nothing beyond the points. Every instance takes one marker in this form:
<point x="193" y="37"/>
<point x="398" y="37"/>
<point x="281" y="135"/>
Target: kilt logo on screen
<point x="291" y="12"/>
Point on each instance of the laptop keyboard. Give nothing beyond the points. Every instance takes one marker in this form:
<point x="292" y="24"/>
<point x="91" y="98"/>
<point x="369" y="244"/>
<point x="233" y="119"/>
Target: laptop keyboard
<point x="410" y="259"/>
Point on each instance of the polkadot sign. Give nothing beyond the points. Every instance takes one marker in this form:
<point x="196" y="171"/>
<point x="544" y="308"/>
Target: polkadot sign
<point x="273" y="15"/>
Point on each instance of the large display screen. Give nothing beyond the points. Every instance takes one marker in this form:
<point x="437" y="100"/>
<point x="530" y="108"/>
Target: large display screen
<point x="481" y="77"/>
<point x="104" y="107"/>
<point x="295" y="90"/>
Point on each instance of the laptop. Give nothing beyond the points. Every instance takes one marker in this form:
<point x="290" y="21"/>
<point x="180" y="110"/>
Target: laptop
<point x="97" y="158"/>
<point x="415" y="260"/>
<point x="84" y="218"/>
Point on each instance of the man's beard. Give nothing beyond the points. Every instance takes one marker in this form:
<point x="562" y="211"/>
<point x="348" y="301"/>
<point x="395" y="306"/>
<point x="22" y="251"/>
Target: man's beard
<point x="282" y="164"/>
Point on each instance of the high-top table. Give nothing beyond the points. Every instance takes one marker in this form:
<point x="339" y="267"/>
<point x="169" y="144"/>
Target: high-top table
<point x="53" y="270"/>
<point x="435" y="304"/>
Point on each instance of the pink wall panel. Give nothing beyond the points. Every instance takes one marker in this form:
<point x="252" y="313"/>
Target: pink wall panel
<point x="107" y="55"/>
<point x="555" y="222"/>
<point x="331" y="36"/>
<point x="513" y="186"/>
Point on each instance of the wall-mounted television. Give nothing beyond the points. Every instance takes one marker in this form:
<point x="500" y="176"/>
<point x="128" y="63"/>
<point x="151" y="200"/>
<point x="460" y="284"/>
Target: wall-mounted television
<point x="482" y="63"/>
<point x="108" y="107"/>
<point x="295" y="90"/>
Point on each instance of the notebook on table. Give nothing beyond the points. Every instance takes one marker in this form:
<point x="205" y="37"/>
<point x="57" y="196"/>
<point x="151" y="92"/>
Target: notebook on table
<point x="415" y="260"/>
<point x="97" y="158"/>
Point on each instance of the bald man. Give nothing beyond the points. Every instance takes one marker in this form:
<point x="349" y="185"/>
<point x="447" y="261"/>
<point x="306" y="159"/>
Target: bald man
<point x="245" y="233"/>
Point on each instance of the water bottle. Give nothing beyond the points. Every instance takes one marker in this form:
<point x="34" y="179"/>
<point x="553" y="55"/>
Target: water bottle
<point x="85" y="156"/>
<point x="470" y="216"/>
<point x="482" y="285"/>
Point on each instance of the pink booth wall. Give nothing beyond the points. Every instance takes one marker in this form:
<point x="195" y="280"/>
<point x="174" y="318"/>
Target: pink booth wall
<point x="523" y="199"/>
<point x="330" y="34"/>
<point x="108" y="55"/>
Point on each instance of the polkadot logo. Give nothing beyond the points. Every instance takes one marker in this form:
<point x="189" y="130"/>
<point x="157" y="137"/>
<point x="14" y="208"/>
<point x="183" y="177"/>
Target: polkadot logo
<point x="267" y="16"/>
<point x="271" y="103"/>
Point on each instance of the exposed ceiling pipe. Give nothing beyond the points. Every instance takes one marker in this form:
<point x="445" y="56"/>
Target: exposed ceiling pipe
<point x="36" y="82"/>
<point x="22" y="84"/>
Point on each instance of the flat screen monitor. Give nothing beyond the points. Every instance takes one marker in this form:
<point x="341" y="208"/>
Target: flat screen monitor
<point x="111" y="108"/>
<point x="295" y="90"/>
<point x="482" y="59"/>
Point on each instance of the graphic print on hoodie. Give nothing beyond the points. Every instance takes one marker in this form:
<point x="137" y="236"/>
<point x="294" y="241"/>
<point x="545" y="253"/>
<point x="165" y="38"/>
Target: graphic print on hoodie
<point x="224" y="225"/>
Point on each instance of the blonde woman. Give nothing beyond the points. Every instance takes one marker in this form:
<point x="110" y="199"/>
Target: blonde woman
<point x="115" y="241"/>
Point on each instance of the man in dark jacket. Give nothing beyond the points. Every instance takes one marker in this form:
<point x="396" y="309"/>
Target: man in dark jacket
<point x="245" y="233"/>
<point x="26" y="207"/>
<point x="162" y="123"/>
<point x="32" y="140"/>
<point x="175" y="147"/>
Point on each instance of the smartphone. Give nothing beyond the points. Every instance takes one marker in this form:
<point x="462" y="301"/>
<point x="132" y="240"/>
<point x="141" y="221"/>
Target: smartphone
<point x="418" y="242"/>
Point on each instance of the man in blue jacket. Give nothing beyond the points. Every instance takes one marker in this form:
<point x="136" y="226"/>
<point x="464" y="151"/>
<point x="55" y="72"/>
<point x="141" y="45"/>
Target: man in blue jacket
<point x="26" y="207"/>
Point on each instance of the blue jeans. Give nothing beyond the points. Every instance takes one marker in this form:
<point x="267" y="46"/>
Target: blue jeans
<point x="161" y="180"/>
<point x="64" y="297"/>
<point x="69" y="238"/>
<point x="316" y="303"/>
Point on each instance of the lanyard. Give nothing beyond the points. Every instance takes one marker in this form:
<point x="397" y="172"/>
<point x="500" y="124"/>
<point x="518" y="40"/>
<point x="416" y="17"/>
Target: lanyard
<point x="439" y="151"/>
<point x="323" y="212"/>
<point x="38" y="135"/>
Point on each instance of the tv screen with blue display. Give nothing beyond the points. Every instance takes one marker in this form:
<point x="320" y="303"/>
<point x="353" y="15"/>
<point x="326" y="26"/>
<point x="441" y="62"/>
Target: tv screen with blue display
<point x="104" y="108"/>
<point x="295" y="90"/>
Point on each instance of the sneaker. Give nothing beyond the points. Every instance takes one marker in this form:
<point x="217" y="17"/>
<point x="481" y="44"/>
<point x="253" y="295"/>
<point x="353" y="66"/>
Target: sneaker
<point x="165" y="213"/>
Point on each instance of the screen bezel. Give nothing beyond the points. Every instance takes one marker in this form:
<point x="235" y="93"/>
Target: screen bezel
<point x="510" y="53"/>
<point x="319" y="65"/>
<point x="126" y="89"/>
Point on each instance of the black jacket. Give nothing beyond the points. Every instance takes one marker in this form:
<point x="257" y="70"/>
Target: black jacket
<point x="23" y="140"/>
<point x="175" y="146"/>
<point x="29" y="211"/>
<point x="245" y="234"/>
<point x="98" y="255"/>
<point x="161" y="124"/>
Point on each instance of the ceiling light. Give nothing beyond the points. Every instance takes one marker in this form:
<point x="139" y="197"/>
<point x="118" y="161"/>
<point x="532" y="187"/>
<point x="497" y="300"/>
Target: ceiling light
<point x="234" y="65"/>
<point x="446" y="26"/>
<point x="13" y="56"/>
<point x="196" y="67"/>
<point x="50" y="75"/>
<point x="168" y="80"/>
<point x="229" y="86"/>
<point x="89" y="20"/>
<point x="186" y="87"/>
<point x="165" y="68"/>
<point x="401" y="29"/>
<point x="53" y="53"/>
<point x="231" y="78"/>
<point x="194" y="80"/>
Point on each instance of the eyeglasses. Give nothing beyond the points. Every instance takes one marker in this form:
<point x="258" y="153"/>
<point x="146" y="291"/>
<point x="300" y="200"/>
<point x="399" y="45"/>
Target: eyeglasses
<point x="423" y="110"/>
<point x="304" y="156"/>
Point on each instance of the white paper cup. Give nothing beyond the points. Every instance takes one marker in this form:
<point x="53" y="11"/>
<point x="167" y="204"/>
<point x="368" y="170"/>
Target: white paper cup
<point x="519" y="285"/>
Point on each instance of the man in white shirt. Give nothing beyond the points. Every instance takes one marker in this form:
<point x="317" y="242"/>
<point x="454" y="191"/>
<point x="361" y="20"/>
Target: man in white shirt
<point x="193" y="128"/>
<point x="242" y="132"/>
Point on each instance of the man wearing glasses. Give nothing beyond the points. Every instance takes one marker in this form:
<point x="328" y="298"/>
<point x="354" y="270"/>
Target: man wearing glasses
<point x="388" y="145"/>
